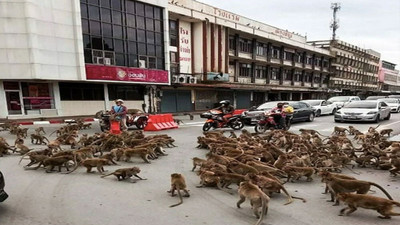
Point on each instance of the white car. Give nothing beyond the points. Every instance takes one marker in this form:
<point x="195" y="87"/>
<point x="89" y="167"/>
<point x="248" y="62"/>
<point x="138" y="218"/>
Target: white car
<point x="367" y="110"/>
<point x="393" y="103"/>
<point x="322" y="107"/>
<point x="340" y="101"/>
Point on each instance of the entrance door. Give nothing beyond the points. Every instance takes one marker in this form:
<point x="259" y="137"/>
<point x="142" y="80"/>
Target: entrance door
<point x="243" y="100"/>
<point x="13" y="103"/>
<point x="176" y="101"/>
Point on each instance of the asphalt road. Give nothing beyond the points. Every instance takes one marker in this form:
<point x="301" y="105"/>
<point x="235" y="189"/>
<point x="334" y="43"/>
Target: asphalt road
<point x="38" y="198"/>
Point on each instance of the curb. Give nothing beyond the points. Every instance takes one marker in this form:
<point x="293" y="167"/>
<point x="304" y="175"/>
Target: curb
<point x="53" y="121"/>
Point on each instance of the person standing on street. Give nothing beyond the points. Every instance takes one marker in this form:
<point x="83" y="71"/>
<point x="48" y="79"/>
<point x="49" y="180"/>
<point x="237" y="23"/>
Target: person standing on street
<point x="119" y="111"/>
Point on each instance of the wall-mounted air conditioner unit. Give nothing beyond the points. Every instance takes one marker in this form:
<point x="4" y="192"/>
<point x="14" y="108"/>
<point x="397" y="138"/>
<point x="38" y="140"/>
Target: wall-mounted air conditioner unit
<point x="107" y="61"/>
<point x="174" y="79"/>
<point x="182" y="79"/>
<point x="193" y="80"/>
<point x="142" y="63"/>
<point x="98" y="60"/>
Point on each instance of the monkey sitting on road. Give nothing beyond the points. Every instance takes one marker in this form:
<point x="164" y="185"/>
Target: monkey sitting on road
<point x="125" y="173"/>
<point x="382" y="205"/>
<point x="177" y="184"/>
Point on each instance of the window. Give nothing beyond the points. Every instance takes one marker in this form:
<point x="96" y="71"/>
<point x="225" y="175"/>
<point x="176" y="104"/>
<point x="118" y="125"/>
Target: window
<point x="297" y="75"/>
<point x="307" y="77"/>
<point x="288" y="56"/>
<point x="262" y="49"/>
<point x="81" y="91"/>
<point x="124" y="28"/>
<point x="232" y="44"/>
<point x="245" y="70"/>
<point x="317" y="79"/>
<point x="325" y="63"/>
<point x="287" y="74"/>
<point x="173" y="33"/>
<point x="298" y="57"/>
<point x="261" y="72"/>
<point x="245" y="45"/>
<point x="275" y="73"/>
<point x="126" y="92"/>
<point x="317" y="61"/>
<point x="276" y="51"/>
<point x="174" y="63"/>
<point x="308" y="60"/>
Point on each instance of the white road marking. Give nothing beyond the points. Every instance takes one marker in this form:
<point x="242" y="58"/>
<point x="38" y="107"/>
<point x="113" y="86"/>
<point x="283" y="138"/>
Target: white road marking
<point x="386" y="125"/>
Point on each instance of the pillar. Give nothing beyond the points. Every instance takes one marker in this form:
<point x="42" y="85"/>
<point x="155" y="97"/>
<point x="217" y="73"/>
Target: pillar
<point x="3" y="101"/>
<point x="106" y="97"/>
<point x="57" y="98"/>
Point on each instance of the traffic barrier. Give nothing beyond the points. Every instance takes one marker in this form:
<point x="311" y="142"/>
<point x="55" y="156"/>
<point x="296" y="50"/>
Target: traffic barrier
<point x="152" y="124"/>
<point x="170" y="119"/>
<point x="115" y="127"/>
<point x="164" y="122"/>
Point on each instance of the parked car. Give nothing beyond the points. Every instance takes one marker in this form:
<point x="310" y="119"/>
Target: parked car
<point x="376" y="97"/>
<point x="367" y="110"/>
<point x="393" y="103"/>
<point x="322" y="107"/>
<point x="302" y="112"/>
<point x="340" y="101"/>
<point x="3" y="194"/>
<point x="394" y="96"/>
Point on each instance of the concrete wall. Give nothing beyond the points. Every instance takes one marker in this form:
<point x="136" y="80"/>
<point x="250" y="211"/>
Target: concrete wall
<point x="73" y="108"/>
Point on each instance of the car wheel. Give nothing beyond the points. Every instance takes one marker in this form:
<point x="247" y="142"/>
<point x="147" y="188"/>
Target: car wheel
<point x="388" y="117"/>
<point x="334" y="111"/>
<point x="318" y="113"/>
<point x="378" y="118"/>
<point x="337" y="121"/>
<point x="398" y="110"/>
<point x="311" y="117"/>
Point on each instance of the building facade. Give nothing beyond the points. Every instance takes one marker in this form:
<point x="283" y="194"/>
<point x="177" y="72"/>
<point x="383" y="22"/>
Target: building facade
<point x="216" y="55"/>
<point x="74" y="57"/>
<point x="354" y="69"/>
<point x="389" y="77"/>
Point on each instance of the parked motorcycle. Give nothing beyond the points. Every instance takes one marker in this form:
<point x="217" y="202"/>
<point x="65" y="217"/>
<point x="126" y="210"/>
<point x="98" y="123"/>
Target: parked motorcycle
<point x="138" y="120"/>
<point x="3" y="194"/>
<point x="270" y="121"/>
<point x="215" y="120"/>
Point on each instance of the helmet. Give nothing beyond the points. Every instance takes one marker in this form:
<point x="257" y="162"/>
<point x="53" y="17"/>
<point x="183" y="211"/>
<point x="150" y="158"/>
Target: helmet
<point x="280" y="104"/>
<point x="225" y="102"/>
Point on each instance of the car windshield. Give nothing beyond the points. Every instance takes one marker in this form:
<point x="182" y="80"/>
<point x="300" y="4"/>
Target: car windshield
<point x="313" y="102"/>
<point x="339" y="99"/>
<point x="361" y="105"/>
<point x="374" y="97"/>
<point x="267" y="105"/>
<point x="390" y="100"/>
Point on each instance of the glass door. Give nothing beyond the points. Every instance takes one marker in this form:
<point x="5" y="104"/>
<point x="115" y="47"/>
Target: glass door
<point x="13" y="98"/>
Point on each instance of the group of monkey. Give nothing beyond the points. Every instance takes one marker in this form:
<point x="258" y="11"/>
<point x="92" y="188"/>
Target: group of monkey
<point x="257" y="163"/>
<point x="98" y="150"/>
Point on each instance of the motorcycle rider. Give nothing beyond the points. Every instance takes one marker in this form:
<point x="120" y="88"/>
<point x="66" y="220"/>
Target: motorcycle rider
<point x="280" y="115"/>
<point x="288" y="111"/>
<point x="119" y="110"/>
<point x="227" y="110"/>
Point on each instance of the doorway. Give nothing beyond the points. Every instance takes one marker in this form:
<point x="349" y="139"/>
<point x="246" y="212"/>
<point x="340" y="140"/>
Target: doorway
<point x="13" y="98"/>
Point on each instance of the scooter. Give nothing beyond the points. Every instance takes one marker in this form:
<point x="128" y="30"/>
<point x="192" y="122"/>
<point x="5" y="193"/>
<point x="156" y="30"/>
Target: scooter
<point x="270" y="122"/>
<point x="215" y="120"/>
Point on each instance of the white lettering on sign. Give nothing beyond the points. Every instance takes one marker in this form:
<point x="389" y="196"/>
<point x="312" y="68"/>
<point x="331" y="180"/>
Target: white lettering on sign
<point x="137" y="76"/>
<point x="226" y="15"/>
<point x="185" y="47"/>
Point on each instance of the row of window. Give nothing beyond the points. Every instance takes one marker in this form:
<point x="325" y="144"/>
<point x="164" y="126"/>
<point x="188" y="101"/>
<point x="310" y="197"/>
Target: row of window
<point x="87" y="91"/>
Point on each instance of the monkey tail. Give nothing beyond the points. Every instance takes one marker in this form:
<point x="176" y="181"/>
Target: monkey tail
<point x="302" y="199"/>
<point x="22" y="157"/>
<point x="180" y="198"/>
<point x="76" y="166"/>
<point x="383" y="190"/>
<point x="52" y="133"/>
<point x="107" y="175"/>
<point x="396" y="203"/>
<point x="289" y="197"/>
<point x="321" y="134"/>
<point x="264" y="205"/>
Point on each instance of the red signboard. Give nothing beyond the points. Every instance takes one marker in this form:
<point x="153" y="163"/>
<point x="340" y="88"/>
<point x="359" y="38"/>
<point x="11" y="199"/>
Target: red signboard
<point x="116" y="73"/>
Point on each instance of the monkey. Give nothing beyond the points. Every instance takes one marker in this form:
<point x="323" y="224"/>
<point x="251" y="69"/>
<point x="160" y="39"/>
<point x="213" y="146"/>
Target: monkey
<point x="386" y="132"/>
<point x="363" y="161"/>
<point x="117" y="153"/>
<point x="86" y="126"/>
<point x="54" y="145"/>
<point x="39" y="139"/>
<point x="339" y="130"/>
<point x="381" y="205"/>
<point x="34" y="156"/>
<point x="197" y="162"/>
<point x="90" y="163"/>
<point x="323" y="174"/>
<point x="233" y="135"/>
<point x="227" y="179"/>
<point x="281" y="161"/>
<point x="241" y="168"/>
<point x="337" y="185"/>
<point x="23" y="149"/>
<point x="178" y="121"/>
<point x="209" y="179"/>
<point x="260" y="167"/>
<point x="143" y="153"/>
<point x="51" y="162"/>
<point x="296" y="172"/>
<point x="23" y="132"/>
<point x="177" y="184"/>
<point x="395" y="163"/>
<point x="310" y="131"/>
<point x="257" y="199"/>
<point x="125" y="173"/>
<point x="352" y="130"/>
<point x="109" y="157"/>
<point x="39" y="130"/>
<point x="191" y="117"/>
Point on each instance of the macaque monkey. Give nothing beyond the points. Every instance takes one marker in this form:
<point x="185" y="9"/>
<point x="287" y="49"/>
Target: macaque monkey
<point x="109" y="157"/>
<point x="39" y="139"/>
<point x="23" y="149"/>
<point x="177" y="184"/>
<point x="310" y="131"/>
<point x="87" y="126"/>
<point x="257" y="199"/>
<point x="226" y="179"/>
<point x="386" y="132"/>
<point x="178" y="121"/>
<point x="395" y="162"/>
<point x="381" y="205"/>
<point x="39" y="130"/>
<point x="143" y="153"/>
<point x="92" y="162"/>
<point x="352" y="130"/>
<point x="233" y="135"/>
<point x="54" y="145"/>
<point x="296" y="172"/>
<point x="125" y="173"/>
<point x="59" y="161"/>
<point x="340" y="130"/>
<point x="323" y="174"/>
<point x="197" y="162"/>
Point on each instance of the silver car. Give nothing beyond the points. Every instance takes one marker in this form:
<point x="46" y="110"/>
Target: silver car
<point x="363" y="111"/>
<point x="393" y="103"/>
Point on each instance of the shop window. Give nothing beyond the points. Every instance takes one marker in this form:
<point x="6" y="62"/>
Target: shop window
<point x="81" y="91"/>
<point x="37" y="96"/>
<point x="126" y="92"/>
<point x="174" y="63"/>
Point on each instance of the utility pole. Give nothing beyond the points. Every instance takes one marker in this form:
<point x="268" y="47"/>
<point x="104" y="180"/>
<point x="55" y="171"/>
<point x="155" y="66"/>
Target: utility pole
<point x="335" y="23"/>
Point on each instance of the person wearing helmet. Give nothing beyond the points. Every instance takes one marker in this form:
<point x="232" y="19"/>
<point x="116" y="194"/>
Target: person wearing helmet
<point x="288" y="110"/>
<point x="119" y="110"/>
<point x="227" y="110"/>
<point x="280" y="115"/>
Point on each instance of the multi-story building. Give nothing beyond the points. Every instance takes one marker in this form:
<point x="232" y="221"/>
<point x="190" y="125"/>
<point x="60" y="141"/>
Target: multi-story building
<point x="216" y="55"/>
<point x="73" y="57"/>
<point x="354" y="69"/>
<point x="389" y="77"/>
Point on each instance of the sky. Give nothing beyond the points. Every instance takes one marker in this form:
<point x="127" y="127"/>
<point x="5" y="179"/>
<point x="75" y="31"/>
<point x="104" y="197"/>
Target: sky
<point x="369" y="24"/>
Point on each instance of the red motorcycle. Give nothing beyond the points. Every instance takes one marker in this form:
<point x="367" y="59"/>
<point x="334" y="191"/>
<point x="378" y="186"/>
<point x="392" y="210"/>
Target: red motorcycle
<point x="271" y="121"/>
<point x="215" y="119"/>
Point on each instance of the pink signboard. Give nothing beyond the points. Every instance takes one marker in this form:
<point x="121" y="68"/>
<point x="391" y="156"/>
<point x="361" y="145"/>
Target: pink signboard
<point x="116" y="73"/>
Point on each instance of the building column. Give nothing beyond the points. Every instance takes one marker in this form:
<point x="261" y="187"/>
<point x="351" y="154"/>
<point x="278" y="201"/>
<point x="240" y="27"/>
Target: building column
<point x="282" y="52"/>
<point x="106" y="97"/>
<point x="303" y="73"/>
<point x="237" y="45"/>
<point x="57" y="98"/>
<point x="268" y="75"/>
<point x="254" y="45"/>
<point x="312" y="78"/>
<point x="280" y="75"/>
<point x="301" y="96"/>
<point x="253" y="72"/>
<point x="236" y="74"/>
<point x="290" y="96"/>
<point x="269" y="51"/>
<point x="3" y="101"/>
<point x="292" y="81"/>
